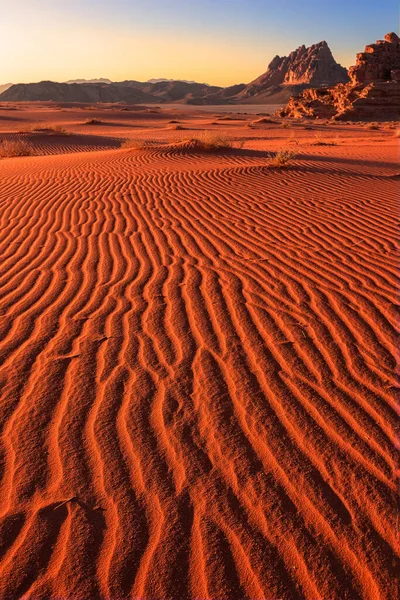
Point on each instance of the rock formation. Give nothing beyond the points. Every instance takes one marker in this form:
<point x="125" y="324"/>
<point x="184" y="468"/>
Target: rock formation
<point x="313" y="66"/>
<point x="377" y="61"/>
<point x="373" y="91"/>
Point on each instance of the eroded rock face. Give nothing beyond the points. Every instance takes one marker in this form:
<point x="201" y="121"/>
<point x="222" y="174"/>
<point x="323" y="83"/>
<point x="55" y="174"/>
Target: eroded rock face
<point x="377" y="61"/>
<point x="372" y="94"/>
<point x="374" y="101"/>
<point x="314" y="65"/>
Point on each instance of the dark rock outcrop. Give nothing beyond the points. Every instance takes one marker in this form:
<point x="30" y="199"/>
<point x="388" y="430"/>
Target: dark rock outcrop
<point x="372" y="94"/>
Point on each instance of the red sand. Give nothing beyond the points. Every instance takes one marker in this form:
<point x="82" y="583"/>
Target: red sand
<point x="197" y="362"/>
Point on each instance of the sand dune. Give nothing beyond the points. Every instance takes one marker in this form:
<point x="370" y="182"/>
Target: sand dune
<point x="197" y="358"/>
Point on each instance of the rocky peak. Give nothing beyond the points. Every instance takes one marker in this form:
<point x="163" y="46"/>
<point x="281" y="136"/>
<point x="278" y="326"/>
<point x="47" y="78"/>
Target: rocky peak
<point x="314" y="65"/>
<point x="377" y="61"/>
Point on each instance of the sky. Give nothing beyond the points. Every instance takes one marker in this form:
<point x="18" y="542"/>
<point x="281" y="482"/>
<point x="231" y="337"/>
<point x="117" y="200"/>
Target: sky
<point x="220" y="42"/>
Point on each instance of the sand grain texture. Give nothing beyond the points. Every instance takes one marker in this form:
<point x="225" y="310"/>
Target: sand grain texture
<point x="197" y="358"/>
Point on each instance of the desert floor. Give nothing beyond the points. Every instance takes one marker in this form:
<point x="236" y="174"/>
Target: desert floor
<point x="197" y="356"/>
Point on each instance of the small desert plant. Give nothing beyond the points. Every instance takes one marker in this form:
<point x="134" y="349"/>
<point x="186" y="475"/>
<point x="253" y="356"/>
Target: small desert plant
<point x="210" y="142"/>
<point x="321" y="142"/>
<point x="281" y="158"/>
<point x="176" y="127"/>
<point x="372" y="126"/>
<point x="293" y="140"/>
<point x="134" y="144"/>
<point x="57" y="129"/>
<point x="397" y="133"/>
<point x="12" y="148"/>
<point x="93" y="122"/>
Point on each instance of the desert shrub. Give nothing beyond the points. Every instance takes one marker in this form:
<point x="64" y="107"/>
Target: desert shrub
<point x="60" y="130"/>
<point x="57" y="129"/>
<point x="12" y="148"/>
<point x="285" y="125"/>
<point x="93" y="122"/>
<point x="134" y="144"/>
<point x="319" y="141"/>
<point x="373" y="126"/>
<point x="211" y="142"/>
<point x="282" y="158"/>
<point x="176" y="127"/>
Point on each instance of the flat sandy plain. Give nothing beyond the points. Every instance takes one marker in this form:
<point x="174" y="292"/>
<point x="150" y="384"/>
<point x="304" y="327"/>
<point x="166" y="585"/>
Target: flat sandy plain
<point x="197" y="359"/>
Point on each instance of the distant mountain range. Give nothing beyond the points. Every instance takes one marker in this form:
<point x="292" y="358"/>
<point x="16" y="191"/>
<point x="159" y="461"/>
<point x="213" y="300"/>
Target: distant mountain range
<point x="4" y="87"/>
<point x="163" y="79"/>
<point x="101" y="80"/>
<point x="285" y="76"/>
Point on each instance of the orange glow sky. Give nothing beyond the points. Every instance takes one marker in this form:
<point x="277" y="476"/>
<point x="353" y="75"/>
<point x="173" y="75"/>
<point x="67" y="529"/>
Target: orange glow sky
<point x="220" y="42"/>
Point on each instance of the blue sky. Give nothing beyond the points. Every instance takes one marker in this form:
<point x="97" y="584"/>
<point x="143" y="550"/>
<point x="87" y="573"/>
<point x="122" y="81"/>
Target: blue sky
<point x="218" y="41"/>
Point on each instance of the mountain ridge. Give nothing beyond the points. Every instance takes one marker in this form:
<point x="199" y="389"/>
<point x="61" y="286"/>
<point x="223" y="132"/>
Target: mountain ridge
<point x="285" y="76"/>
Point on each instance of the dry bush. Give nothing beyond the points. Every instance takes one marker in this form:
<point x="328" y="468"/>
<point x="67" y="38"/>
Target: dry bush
<point x="177" y="127"/>
<point x="134" y="144"/>
<point x="282" y="158"/>
<point x="319" y="141"/>
<point x="48" y="128"/>
<point x="93" y="122"/>
<point x="285" y="125"/>
<point x="10" y="148"/>
<point x="59" y="129"/>
<point x="373" y="126"/>
<point x="211" y="142"/>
